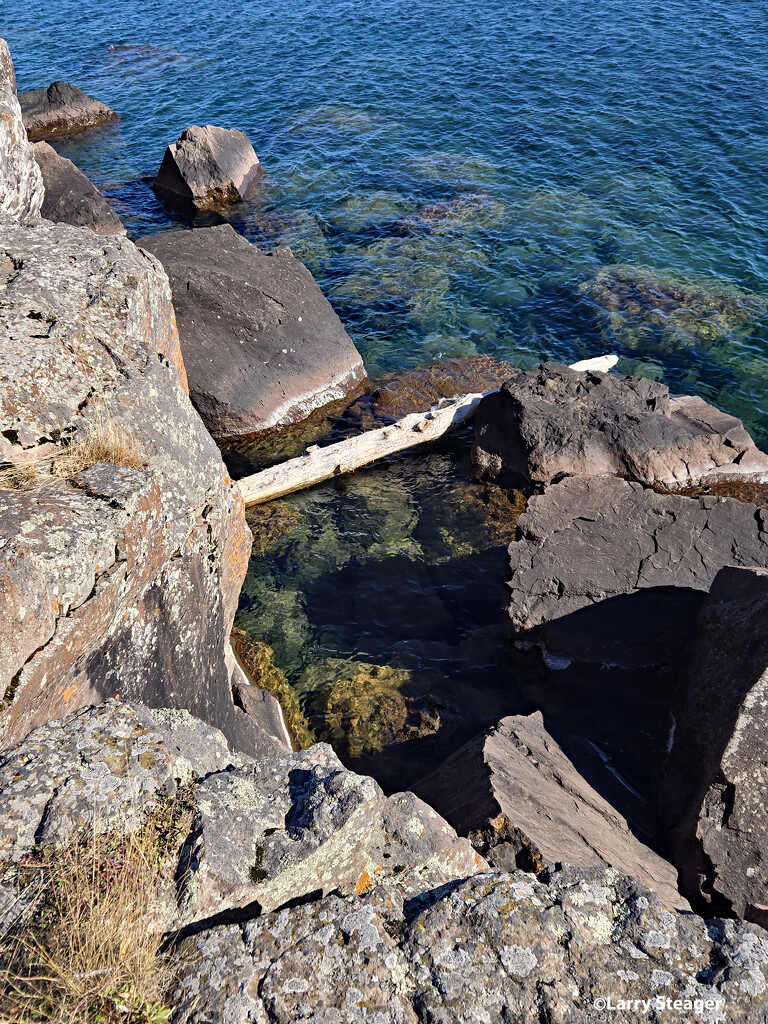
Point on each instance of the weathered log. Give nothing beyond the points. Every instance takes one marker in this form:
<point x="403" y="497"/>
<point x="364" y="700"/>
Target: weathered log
<point x="318" y="464"/>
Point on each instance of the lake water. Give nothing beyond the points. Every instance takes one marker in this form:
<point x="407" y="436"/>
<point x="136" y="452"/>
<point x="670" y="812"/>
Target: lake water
<point x="564" y="138"/>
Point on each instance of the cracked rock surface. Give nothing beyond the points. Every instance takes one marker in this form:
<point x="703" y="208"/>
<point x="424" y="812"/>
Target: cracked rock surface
<point x="21" y="184"/>
<point x="552" y="421"/>
<point x="262" y="345"/>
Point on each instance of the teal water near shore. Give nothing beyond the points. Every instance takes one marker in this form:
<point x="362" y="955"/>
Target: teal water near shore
<point x="538" y="180"/>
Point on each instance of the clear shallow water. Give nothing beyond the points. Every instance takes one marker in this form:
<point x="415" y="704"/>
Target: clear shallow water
<point x="565" y="137"/>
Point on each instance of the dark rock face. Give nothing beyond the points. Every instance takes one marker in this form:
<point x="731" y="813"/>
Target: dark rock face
<point x="713" y="797"/>
<point x="262" y="345"/>
<point x="61" y="108"/>
<point x="524" y="805"/>
<point x="206" y="167"/>
<point x="116" y="580"/>
<point x="495" y="948"/>
<point x="555" y="421"/>
<point x="70" y="197"/>
<point x="21" y="185"/>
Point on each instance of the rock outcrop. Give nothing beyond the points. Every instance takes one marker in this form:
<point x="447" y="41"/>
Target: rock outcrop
<point x="573" y="946"/>
<point x="524" y="805"/>
<point x="121" y="576"/>
<point x="554" y="421"/>
<point x="713" y="797"/>
<point x="21" y="184"/>
<point x="206" y="167"/>
<point x="262" y="345"/>
<point x="71" y="197"/>
<point x="60" y="109"/>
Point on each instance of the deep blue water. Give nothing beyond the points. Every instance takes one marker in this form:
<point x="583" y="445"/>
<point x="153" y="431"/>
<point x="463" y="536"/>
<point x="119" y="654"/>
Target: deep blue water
<point x="591" y="134"/>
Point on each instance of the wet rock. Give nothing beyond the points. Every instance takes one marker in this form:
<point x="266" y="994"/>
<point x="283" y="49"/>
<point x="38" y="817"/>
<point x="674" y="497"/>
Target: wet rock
<point x="21" y="184"/>
<point x="647" y="309"/>
<point x="102" y="767"/>
<point x="554" y="421"/>
<point x="70" y="197"/>
<point x="262" y="345"/>
<point x="287" y="827"/>
<point x="206" y="167"/>
<point x="60" y="109"/>
<point x="495" y="948"/>
<point x="524" y="805"/>
<point x="117" y="579"/>
<point x="361" y="708"/>
<point x="715" y="783"/>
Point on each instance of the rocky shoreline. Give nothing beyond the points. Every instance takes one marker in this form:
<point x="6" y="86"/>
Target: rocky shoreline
<point x="609" y="847"/>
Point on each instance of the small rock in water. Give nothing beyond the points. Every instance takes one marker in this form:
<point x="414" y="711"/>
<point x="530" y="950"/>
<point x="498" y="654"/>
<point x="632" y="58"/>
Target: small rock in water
<point x="61" y="108"/>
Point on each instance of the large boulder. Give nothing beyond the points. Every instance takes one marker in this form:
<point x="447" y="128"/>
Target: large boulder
<point x="21" y="184"/>
<point x="715" y="785"/>
<point x="123" y="542"/>
<point x="555" y="421"/>
<point x="262" y="345"/>
<point x="524" y="805"/>
<point x="71" y="197"/>
<point x="206" y="167"/>
<point x="577" y="946"/>
<point x="60" y="109"/>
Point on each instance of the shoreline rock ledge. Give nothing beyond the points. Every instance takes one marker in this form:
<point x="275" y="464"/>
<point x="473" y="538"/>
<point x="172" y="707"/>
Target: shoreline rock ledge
<point x="21" y="183"/>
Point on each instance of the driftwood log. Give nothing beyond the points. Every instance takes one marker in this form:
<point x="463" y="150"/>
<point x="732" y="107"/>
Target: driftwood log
<point x="318" y="464"/>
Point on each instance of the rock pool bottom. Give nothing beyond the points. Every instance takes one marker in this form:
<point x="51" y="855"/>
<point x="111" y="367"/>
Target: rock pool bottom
<point x="380" y="595"/>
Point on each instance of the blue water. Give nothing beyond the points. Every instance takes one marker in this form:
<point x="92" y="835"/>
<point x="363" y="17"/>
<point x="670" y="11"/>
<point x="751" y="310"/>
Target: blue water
<point x="594" y="134"/>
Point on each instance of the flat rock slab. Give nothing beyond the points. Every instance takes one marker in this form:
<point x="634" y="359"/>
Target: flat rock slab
<point x="523" y="804"/>
<point x="61" y="108"/>
<point x="715" y="784"/>
<point x="554" y="421"/>
<point x="496" y="948"/>
<point x="205" y="167"/>
<point x="21" y="184"/>
<point x="71" y="197"/>
<point x="262" y="345"/>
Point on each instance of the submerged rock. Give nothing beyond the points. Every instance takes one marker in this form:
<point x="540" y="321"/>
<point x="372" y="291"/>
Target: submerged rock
<point x="496" y="948"/>
<point x="524" y="805"/>
<point x="70" y="196"/>
<point x="645" y="308"/>
<point x="554" y="421"/>
<point x="61" y="108"/>
<point x="262" y="345"/>
<point x="466" y="212"/>
<point x="715" y="784"/>
<point x="206" y="167"/>
<point x="21" y="184"/>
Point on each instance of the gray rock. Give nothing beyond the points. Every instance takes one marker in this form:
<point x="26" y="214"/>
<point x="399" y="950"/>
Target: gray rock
<point x="523" y="804"/>
<point x="21" y="184"/>
<point x="123" y="579"/>
<point x="103" y="766"/>
<point x="262" y="345"/>
<point x="60" y="109"/>
<point x="284" y="828"/>
<point x="554" y="421"/>
<point x="715" y="785"/>
<point x="205" y="167"/>
<point x="265" y="710"/>
<point x="70" y="197"/>
<point x="496" y="948"/>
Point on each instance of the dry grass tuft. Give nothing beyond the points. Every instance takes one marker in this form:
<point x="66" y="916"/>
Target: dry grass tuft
<point x="89" y="951"/>
<point x="104" y="440"/>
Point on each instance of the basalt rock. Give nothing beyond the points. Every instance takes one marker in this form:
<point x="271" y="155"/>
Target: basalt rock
<point x="206" y="167"/>
<point x="117" y="578"/>
<point x="70" y="197"/>
<point x="60" y="109"/>
<point x="524" y="805"/>
<point x="713" y="797"/>
<point x="262" y="345"/>
<point x="21" y="184"/>
<point x="496" y="948"/>
<point x="547" y="423"/>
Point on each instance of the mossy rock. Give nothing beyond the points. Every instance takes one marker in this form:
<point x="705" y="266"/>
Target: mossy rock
<point x="468" y="211"/>
<point x="271" y="522"/>
<point x="361" y="708"/>
<point x="257" y="659"/>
